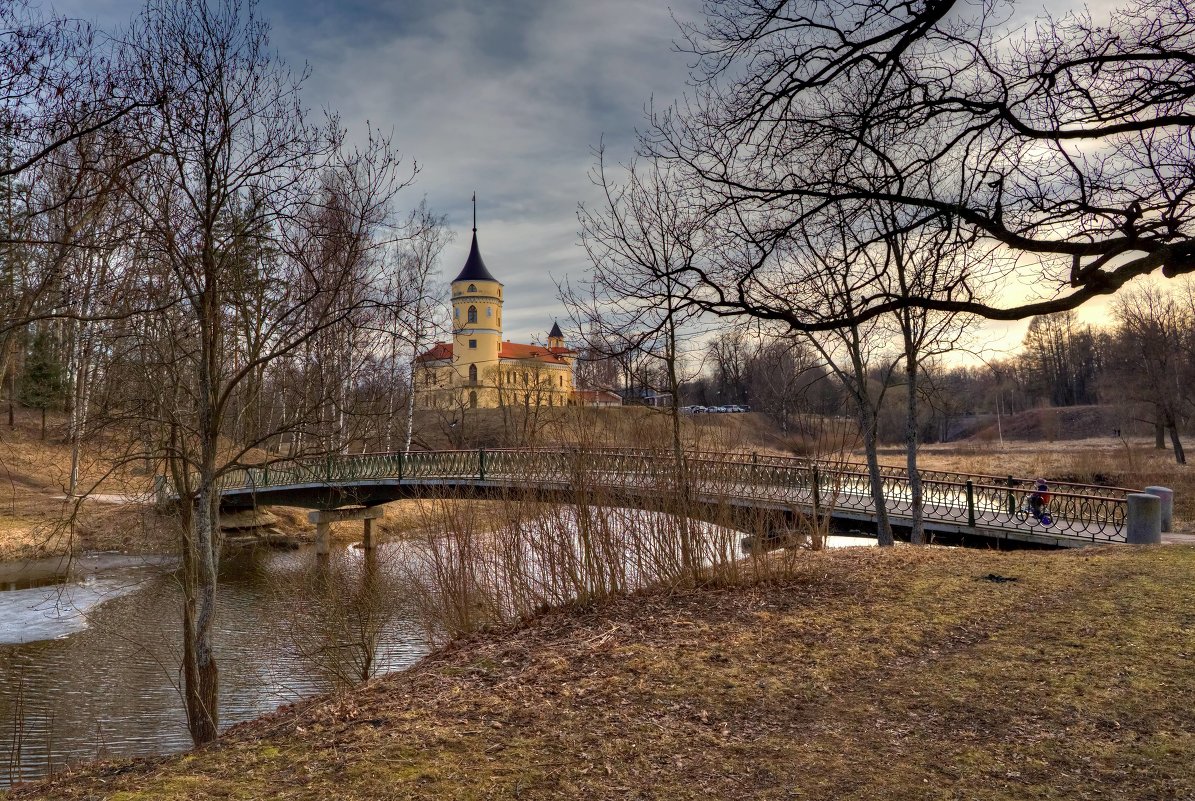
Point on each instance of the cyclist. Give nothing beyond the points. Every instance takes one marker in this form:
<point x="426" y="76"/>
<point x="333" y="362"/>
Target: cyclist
<point x="1040" y="497"/>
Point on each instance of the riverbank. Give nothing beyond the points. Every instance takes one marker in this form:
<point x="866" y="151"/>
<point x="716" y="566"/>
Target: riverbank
<point x="907" y="673"/>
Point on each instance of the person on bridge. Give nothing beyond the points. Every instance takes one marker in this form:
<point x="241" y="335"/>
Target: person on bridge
<point x="1040" y="497"/>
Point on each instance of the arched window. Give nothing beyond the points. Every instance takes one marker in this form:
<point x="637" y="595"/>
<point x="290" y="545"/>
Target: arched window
<point x="472" y="287"/>
<point x="457" y="312"/>
<point x="489" y="312"/>
<point x="472" y="314"/>
<point x="473" y="374"/>
<point x="472" y="400"/>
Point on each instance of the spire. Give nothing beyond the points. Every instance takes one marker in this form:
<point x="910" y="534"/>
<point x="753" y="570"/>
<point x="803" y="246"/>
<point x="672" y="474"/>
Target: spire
<point x="555" y="333"/>
<point x="474" y="269"/>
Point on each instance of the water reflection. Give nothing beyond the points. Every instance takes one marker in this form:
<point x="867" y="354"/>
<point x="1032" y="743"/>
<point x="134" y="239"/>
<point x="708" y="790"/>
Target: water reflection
<point x="89" y="668"/>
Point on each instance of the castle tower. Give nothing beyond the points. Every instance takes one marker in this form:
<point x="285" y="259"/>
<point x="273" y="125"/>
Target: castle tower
<point x="476" y="324"/>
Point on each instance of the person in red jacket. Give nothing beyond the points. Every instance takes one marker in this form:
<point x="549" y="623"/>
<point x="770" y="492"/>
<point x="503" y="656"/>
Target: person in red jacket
<point x="1040" y="497"/>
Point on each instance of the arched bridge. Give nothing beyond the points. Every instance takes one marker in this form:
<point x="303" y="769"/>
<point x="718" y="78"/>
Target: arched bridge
<point x="747" y="486"/>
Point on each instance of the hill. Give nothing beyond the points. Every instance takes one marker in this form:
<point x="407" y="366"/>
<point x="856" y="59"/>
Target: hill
<point x="908" y="674"/>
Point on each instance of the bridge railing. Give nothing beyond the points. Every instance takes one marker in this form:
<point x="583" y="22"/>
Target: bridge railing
<point x="1079" y="510"/>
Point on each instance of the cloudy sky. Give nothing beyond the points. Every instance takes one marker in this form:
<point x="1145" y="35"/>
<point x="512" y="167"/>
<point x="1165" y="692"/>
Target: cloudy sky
<point x="507" y="98"/>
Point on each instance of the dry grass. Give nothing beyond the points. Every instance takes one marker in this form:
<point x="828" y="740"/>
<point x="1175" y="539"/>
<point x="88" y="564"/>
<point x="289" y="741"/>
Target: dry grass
<point x="903" y="674"/>
<point x="36" y="519"/>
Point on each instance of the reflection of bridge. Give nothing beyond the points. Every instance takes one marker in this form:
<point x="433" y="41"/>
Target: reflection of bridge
<point x="746" y="491"/>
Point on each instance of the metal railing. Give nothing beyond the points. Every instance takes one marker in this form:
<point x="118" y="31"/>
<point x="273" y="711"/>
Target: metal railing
<point x="1082" y="511"/>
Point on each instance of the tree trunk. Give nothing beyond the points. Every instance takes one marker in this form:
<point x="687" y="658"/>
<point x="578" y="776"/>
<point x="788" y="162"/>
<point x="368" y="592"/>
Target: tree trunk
<point x="1159" y="432"/>
<point x="689" y="559"/>
<point x="201" y="675"/>
<point x="1180" y="456"/>
<point x="917" y="535"/>
<point x="867" y="422"/>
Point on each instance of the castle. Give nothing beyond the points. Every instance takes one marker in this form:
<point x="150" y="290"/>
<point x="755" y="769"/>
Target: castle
<point x="477" y="369"/>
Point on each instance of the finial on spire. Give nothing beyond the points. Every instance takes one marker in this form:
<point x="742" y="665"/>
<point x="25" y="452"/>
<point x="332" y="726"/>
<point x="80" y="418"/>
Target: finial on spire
<point x="474" y="211"/>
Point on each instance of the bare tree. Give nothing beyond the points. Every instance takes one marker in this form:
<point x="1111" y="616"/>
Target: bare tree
<point x="642" y="239"/>
<point x="1152" y="343"/>
<point x="1067" y="147"/>
<point x="260" y="228"/>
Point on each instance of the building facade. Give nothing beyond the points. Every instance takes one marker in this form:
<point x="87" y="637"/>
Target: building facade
<point x="477" y="369"/>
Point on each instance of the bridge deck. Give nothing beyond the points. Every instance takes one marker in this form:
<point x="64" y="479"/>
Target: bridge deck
<point x="958" y="504"/>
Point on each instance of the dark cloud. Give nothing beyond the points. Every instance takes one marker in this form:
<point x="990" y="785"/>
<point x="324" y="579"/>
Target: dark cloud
<point x="505" y="98"/>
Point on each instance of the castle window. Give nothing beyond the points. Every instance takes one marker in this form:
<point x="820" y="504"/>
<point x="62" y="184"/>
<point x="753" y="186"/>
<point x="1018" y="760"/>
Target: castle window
<point x="472" y="314"/>
<point x="473" y="374"/>
<point x="472" y="287"/>
<point x="473" y="343"/>
<point x="525" y="380"/>
<point x="489" y="312"/>
<point x="472" y="400"/>
<point x="457" y="312"/>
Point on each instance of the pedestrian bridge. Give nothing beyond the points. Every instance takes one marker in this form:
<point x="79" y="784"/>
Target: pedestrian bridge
<point x="751" y="492"/>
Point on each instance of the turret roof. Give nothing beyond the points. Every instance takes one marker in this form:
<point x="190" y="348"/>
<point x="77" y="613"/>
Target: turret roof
<point x="474" y="269"/>
<point x="555" y="332"/>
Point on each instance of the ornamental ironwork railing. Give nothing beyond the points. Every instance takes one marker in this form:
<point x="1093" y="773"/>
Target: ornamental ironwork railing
<point x="1089" y="512"/>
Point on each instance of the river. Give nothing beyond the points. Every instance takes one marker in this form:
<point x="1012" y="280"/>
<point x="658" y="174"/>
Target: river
<point x="89" y="662"/>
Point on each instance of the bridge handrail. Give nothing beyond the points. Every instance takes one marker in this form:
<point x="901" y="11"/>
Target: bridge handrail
<point x="949" y="497"/>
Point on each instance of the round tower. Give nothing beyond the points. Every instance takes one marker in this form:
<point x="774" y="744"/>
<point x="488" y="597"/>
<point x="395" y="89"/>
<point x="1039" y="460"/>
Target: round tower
<point x="476" y="324"/>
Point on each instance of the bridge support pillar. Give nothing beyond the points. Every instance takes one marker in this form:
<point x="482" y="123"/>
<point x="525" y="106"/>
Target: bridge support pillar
<point x="1144" y="523"/>
<point x="324" y="518"/>
<point x="1167" y="496"/>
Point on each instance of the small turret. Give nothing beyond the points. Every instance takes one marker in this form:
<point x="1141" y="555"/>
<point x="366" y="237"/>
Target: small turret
<point x="556" y="336"/>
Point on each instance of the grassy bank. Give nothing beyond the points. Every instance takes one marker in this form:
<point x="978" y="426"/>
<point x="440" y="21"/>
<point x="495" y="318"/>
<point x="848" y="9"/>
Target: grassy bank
<point x="914" y="673"/>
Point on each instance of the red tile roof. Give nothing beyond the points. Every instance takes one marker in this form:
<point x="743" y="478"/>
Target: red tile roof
<point x="514" y="350"/>
<point x="442" y="351"/>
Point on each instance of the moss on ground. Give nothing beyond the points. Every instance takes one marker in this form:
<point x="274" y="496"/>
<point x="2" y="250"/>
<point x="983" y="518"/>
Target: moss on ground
<point x="902" y="674"/>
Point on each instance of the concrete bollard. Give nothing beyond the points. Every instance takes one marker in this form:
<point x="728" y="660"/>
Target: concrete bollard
<point x="1144" y="524"/>
<point x="1167" y="496"/>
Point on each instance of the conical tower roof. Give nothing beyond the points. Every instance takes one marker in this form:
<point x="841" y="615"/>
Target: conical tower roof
<point x="555" y="333"/>
<point x="475" y="269"/>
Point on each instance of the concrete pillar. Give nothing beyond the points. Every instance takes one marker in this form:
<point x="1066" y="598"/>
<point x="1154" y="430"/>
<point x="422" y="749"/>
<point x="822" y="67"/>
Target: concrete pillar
<point x="324" y="518"/>
<point x="323" y="538"/>
<point x="1167" y="496"/>
<point x="1144" y="523"/>
<point x="367" y="534"/>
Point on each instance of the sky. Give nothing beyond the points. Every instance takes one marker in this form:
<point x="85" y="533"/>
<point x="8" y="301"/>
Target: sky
<point x="507" y="98"/>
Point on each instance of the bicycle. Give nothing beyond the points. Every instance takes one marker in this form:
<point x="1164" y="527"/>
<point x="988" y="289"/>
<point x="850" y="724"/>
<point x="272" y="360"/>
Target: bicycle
<point x="1039" y="511"/>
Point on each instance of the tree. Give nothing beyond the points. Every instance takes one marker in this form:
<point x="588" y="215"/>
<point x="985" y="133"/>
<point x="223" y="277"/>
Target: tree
<point x="42" y="385"/>
<point x="1066" y="149"/>
<point x="644" y="236"/>
<point x="1061" y="360"/>
<point x="259" y="235"/>
<point x="1152" y="343"/>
